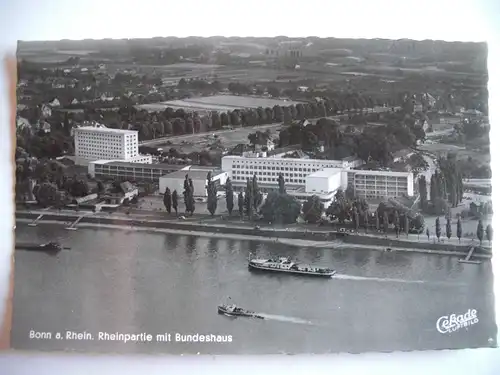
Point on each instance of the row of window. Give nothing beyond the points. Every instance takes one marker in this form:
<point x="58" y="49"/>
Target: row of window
<point x="250" y="174"/>
<point x="260" y="167"/>
<point x="271" y="179"/>
<point x="283" y="163"/>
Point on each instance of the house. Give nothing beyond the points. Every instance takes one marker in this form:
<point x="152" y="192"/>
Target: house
<point x="22" y="123"/>
<point x="264" y="145"/>
<point x="43" y="126"/>
<point x="105" y="98"/>
<point x="55" y="103"/>
<point x="402" y="155"/>
<point x="46" y="110"/>
<point x="125" y="192"/>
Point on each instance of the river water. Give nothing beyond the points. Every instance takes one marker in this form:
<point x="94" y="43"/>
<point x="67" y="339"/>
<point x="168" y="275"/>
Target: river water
<point x="138" y="282"/>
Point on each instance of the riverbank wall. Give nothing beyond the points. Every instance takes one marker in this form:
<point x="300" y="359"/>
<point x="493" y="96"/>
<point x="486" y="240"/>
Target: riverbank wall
<point x="309" y="235"/>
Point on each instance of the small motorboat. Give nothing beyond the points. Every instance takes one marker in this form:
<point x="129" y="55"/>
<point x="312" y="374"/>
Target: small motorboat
<point x="233" y="310"/>
<point x="49" y="247"/>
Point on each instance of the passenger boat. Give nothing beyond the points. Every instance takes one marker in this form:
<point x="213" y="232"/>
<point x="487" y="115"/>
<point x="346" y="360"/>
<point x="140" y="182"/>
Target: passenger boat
<point x="285" y="264"/>
<point x="233" y="310"/>
<point x="50" y="247"/>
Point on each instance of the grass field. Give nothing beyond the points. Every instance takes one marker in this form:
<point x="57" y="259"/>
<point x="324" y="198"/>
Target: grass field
<point x="218" y="103"/>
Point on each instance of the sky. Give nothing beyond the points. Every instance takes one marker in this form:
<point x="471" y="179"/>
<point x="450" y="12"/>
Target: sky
<point x="96" y="19"/>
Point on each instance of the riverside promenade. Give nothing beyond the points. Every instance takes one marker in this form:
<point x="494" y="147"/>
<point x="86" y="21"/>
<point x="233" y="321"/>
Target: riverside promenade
<point x="217" y="226"/>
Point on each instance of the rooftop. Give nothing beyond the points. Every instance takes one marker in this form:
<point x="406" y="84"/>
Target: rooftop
<point x="195" y="174"/>
<point x="379" y="173"/>
<point x="160" y="166"/>
<point x="326" y="172"/>
<point x="105" y="130"/>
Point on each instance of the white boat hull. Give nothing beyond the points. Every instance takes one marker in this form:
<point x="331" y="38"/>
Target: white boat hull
<point x="305" y="273"/>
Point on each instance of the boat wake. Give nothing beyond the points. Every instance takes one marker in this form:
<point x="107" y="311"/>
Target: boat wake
<point x="288" y="319"/>
<point x="389" y="280"/>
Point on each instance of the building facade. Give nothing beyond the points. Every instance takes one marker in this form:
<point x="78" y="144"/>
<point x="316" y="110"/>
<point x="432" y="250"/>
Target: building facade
<point x="380" y="184"/>
<point x="306" y="177"/>
<point x="126" y="171"/>
<point x="267" y="169"/>
<point x="98" y="143"/>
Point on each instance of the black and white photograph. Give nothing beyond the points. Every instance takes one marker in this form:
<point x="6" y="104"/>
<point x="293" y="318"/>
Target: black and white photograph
<point x="252" y="195"/>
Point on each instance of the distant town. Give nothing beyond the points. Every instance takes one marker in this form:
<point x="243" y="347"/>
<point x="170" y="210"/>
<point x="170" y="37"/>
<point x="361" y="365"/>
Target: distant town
<point x="307" y="134"/>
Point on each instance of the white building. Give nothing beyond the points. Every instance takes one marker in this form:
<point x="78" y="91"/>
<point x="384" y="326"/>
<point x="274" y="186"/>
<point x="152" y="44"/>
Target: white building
<point x="380" y="184"/>
<point x="267" y="169"/>
<point x="97" y="143"/>
<point x="324" y="184"/>
<point x="307" y="177"/>
<point x="175" y="181"/>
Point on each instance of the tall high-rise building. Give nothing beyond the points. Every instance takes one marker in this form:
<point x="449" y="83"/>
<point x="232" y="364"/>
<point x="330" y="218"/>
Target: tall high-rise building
<point x="101" y="143"/>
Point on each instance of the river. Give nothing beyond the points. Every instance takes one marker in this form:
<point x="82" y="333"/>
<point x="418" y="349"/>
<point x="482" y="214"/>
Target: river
<point x="138" y="282"/>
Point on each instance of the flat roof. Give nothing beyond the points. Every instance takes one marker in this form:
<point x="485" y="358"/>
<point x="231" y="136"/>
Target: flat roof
<point x="193" y="174"/>
<point x="160" y="166"/>
<point x="326" y="172"/>
<point x="278" y="157"/>
<point x="105" y="130"/>
<point x="379" y="173"/>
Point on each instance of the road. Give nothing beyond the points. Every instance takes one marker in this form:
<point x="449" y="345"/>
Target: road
<point x="162" y="140"/>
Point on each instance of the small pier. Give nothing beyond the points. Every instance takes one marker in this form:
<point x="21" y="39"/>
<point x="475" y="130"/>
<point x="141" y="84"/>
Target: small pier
<point x="73" y="225"/>
<point x="469" y="256"/>
<point x="34" y="223"/>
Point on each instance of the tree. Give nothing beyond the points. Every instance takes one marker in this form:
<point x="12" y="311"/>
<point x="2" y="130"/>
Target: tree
<point x="396" y="223"/>
<point x="211" y="195"/>
<point x="422" y="187"/>
<point x="355" y="219"/>
<point x="229" y="196"/>
<point x="47" y="194"/>
<point x="480" y="231"/>
<point x="459" y="229"/>
<point x="366" y="220"/>
<point x="312" y="209"/>
<point x="438" y="228"/>
<point x="349" y="192"/>
<point x="249" y="199"/>
<point x="448" y="227"/>
<point x="280" y="208"/>
<point x="281" y="184"/>
<point x="167" y="200"/>
<point x="189" y="195"/>
<point x="175" y="198"/>
<point x="386" y="222"/>
<point x="241" y="204"/>
<point x="489" y="233"/>
<point x="377" y="220"/>
<point x="257" y="195"/>
<point x="406" y="224"/>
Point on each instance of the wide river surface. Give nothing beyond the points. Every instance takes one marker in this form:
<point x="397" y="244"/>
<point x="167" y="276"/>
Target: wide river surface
<point x="119" y="281"/>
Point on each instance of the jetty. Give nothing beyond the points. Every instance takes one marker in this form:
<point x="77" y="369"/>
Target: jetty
<point x="469" y="256"/>
<point x="73" y="225"/>
<point x="34" y="223"/>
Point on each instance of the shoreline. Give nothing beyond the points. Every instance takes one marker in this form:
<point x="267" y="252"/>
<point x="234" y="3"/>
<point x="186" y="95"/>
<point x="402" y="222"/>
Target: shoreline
<point x="129" y="226"/>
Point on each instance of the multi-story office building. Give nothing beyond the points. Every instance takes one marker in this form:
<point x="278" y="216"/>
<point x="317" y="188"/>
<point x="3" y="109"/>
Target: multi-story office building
<point x="127" y="171"/>
<point x="267" y="169"/>
<point x="306" y="177"/>
<point x="380" y="184"/>
<point x="101" y="143"/>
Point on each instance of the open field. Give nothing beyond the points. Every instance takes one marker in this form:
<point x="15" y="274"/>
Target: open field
<point x="218" y="103"/>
